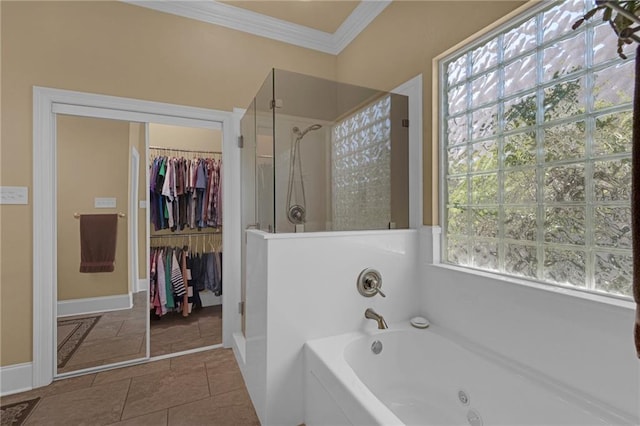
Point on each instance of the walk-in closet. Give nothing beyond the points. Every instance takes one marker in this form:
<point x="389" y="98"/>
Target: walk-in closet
<point x="185" y="253"/>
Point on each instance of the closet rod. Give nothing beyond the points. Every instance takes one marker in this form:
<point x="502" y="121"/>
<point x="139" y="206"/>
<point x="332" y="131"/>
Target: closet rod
<point x="184" y="150"/>
<point x="77" y="215"/>
<point x="190" y="234"/>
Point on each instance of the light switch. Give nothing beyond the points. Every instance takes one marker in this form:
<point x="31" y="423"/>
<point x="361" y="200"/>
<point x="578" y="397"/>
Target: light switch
<point x="142" y="204"/>
<point x="104" y="203"/>
<point x="14" y="195"/>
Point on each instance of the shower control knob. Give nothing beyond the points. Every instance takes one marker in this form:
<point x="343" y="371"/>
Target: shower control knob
<point x="369" y="283"/>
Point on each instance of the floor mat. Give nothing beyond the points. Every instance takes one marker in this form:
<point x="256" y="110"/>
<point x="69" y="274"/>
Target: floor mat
<point x="15" y="414"/>
<point x="73" y="339"/>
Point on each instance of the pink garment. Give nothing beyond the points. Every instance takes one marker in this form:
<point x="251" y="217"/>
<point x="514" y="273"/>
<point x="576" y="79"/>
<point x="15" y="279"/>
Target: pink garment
<point x="162" y="284"/>
<point x="213" y="182"/>
<point x="219" y="198"/>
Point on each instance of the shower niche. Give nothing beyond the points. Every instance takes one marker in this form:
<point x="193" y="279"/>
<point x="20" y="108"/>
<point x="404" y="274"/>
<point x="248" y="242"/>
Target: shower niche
<point x="319" y="155"/>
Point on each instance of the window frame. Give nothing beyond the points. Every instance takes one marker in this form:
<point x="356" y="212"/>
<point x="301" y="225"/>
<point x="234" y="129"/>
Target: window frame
<point x="441" y="85"/>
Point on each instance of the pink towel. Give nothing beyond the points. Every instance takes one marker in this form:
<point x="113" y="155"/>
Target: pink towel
<point x="98" y="242"/>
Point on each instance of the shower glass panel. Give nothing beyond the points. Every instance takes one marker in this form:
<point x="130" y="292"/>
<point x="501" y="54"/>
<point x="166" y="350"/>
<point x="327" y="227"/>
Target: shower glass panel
<point x="327" y="156"/>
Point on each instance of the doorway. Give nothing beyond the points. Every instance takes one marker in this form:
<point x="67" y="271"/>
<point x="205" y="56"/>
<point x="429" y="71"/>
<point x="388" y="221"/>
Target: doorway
<point x="48" y="104"/>
<point x="186" y="231"/>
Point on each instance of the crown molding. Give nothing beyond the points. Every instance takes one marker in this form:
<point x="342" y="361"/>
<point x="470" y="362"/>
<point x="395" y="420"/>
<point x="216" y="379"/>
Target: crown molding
<point x="355" y="23"/>
<point x="261" y="25"/>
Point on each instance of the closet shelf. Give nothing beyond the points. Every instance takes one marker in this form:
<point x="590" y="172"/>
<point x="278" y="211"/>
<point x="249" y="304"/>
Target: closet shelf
<point x="184" y="150"/>
<point x="189" y="234"/>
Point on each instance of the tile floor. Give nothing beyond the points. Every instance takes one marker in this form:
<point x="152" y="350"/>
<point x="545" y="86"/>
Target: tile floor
<point x="117" y="336"/>
<point x="205" y="388"/>
<point x="174" y="333"/>
<point x="120" y="335"/>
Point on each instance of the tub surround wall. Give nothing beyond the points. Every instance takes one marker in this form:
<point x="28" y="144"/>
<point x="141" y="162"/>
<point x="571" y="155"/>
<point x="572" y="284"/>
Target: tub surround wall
<point x="585" y="344"/>
<point x="254" y="367"/>
<point x="302" y="287"/>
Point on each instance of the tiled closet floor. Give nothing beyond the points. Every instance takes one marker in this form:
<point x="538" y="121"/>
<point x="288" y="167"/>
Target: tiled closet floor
<point x="205" y="388"/>
<point x="174" y="333"/>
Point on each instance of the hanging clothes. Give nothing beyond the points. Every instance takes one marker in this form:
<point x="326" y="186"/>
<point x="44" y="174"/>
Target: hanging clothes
<point x="185" y="193"/>
<point x="177" y="276"/>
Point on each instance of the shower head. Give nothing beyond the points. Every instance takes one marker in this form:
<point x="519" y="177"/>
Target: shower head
<point x="301" y="134"/>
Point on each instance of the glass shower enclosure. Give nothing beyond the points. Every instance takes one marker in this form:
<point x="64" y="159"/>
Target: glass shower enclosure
<point x="319" y="155"/>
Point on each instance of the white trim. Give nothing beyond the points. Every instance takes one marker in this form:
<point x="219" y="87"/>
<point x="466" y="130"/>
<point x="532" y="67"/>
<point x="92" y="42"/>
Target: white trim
<point x="355" y="23"/>
<point x="328" y="234"/>
<point x="236" y="18"/>
<point x="45" y="101"/>
<point x="147" y="213"/>
<point x="240" y="348"/>
<point x="44" y="237"/>
<point x="429" y="244"/>
<point x="232" y="261"/>
<point x="143" y="284"/>
<point x="92" y="305"/>
<point x="132" y="222"/>
<point x="186" y="352"/>
<point x="101" y="368"/>
<point x="413" y="89"/>
<point x="15" y="378"/>
<point x="110" y="108"/>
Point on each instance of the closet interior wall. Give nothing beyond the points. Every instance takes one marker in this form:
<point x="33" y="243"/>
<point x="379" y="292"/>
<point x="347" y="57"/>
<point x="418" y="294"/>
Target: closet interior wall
<point x="186" y="238"/>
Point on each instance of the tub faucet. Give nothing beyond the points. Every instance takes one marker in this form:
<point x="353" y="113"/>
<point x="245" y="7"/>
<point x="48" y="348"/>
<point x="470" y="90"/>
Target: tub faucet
<point x="371" y="314"/>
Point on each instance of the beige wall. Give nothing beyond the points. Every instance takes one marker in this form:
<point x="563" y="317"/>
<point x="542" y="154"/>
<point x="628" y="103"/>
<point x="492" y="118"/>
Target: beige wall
<point x="116" y="49"/>
<point x="92" y="158"/>
<point x="401" y="43"/>
<point x="122" y="50"/>
<point x="190" y="138"/>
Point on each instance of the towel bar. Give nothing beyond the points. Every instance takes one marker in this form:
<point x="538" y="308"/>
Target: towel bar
<point x="77" y="215"/>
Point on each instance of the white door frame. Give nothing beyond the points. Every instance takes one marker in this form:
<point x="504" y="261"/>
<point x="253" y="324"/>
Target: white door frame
<point x="134" y="180"/>
<point x="47" y="102"/>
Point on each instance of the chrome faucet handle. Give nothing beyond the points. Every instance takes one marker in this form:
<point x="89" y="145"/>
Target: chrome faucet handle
<point x="369" y="283"/>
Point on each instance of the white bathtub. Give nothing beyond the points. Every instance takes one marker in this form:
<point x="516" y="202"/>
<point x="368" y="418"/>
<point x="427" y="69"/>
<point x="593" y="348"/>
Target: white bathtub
<point x="427" y="377"/>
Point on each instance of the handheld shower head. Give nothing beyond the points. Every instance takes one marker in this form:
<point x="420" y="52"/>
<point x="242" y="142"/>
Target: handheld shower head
<point x="296" y="212"/>
<point x="301" y="134"/>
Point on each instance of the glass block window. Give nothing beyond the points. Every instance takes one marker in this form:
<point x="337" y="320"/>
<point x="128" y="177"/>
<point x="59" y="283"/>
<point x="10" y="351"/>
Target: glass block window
<point x="535" y="122"/>
<point x="361" y="169"/>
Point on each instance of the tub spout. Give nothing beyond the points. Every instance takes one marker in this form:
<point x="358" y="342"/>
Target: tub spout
<point x="371" y="314"/>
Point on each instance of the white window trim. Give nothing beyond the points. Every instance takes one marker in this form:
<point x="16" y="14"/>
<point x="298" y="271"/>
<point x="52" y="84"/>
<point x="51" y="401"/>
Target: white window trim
<point x="439" y="167"/>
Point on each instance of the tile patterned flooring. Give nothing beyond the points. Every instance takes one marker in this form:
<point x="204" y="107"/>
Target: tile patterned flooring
<point x="117" y="336"/>
<point x="175" y="333"/>
<point x="205" y="388"/>
<point x="120" y="335"/>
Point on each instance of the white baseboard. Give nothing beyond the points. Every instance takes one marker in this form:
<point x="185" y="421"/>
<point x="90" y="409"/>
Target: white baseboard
<point x="240" y="349"/>
<point x="92" y="305"/>
<point x="209" y="299"/>
<point x="16" y="378"/>
<point x="143" y="285"/>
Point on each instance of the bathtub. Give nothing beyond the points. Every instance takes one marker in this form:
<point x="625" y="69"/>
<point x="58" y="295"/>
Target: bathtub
<point x="429" y="377"/>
